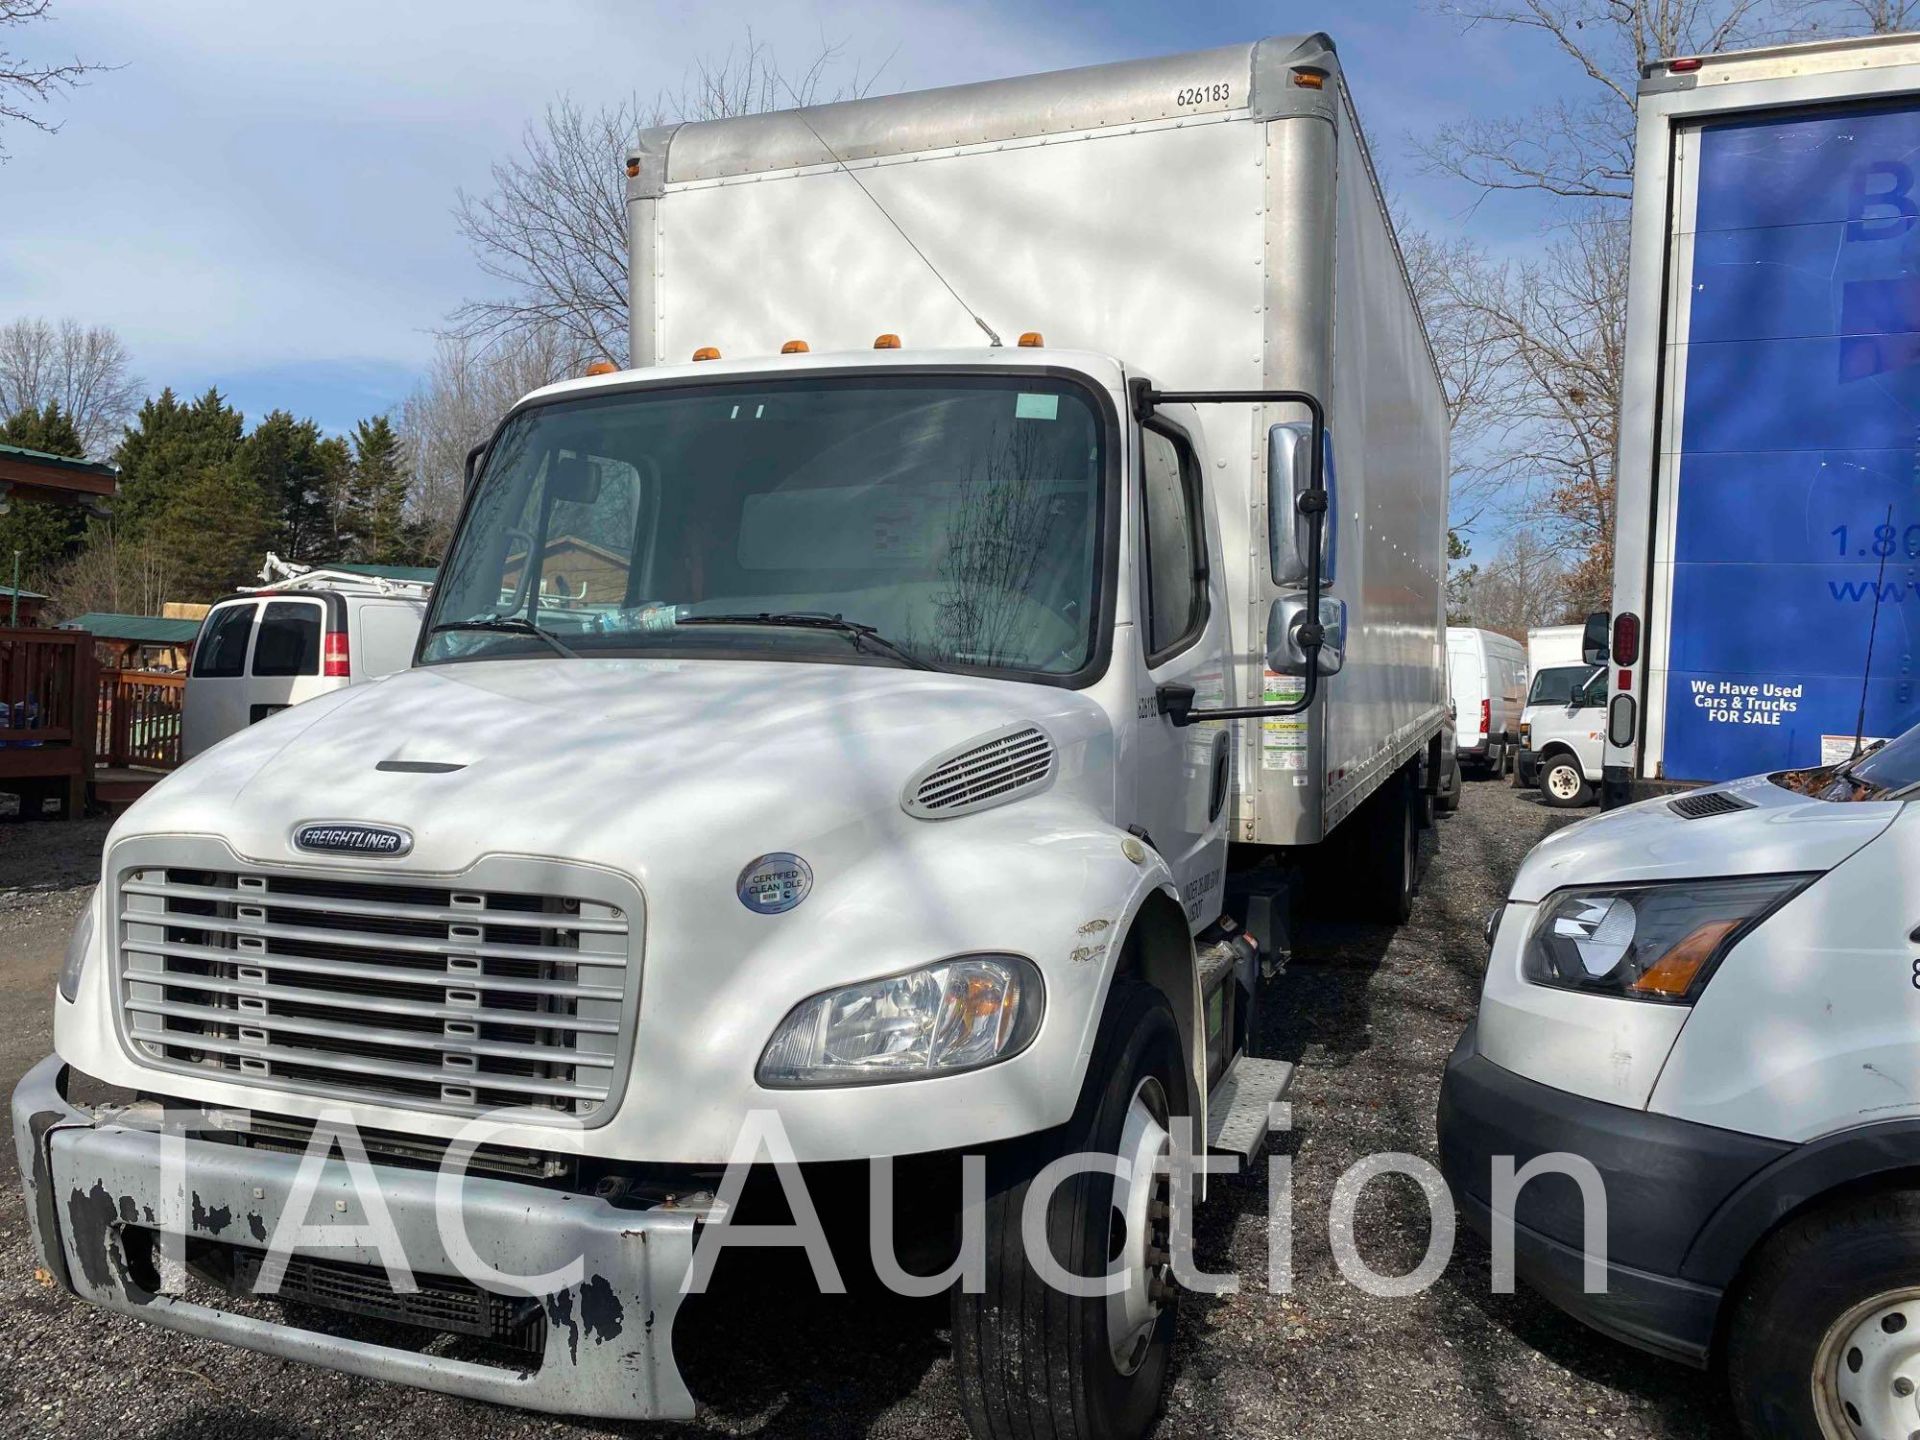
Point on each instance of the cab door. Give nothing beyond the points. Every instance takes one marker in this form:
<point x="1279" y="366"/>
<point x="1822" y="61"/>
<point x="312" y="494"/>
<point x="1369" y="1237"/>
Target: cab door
<point x="1183" y="773"/>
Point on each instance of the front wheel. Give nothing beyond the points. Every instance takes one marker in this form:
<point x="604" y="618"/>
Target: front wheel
<point x="1824" y="1340"/>
<point x="1562" y="785"/>
<point x="1031" y="1360"/>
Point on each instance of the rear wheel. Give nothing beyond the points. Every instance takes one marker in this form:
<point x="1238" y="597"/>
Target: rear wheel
<point x="1032" y="1361"/>
<point x="1562" y="785"/>
<point x="1824" y="1339"/>
<point x="1450" y="795"/>
<point x="1391" y="849"/>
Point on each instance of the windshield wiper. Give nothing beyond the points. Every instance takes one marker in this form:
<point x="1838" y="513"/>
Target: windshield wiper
<point x="862" y="636"/>
<point x="510" y="625"/>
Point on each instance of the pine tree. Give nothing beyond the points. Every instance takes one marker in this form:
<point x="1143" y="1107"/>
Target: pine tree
<point x="213" y="531"/>
<point x="286" y="460"/>
<point x="376" y="511"/>
<point x="45" y="532"/>
<point x="169" y="445"/>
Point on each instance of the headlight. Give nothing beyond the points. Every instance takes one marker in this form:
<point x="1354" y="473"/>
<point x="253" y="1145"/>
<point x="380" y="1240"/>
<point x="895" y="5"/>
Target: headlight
<point x="1647" y="942"/>
<point x="956" y="1015"/>
<point x="1526" y="734"/>
<point x="79" y="945"/>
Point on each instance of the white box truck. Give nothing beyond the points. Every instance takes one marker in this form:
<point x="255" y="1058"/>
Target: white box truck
<point x="1563" y="727"/>
<point x="835" y="738"/>
<point x="1767" y="445"/>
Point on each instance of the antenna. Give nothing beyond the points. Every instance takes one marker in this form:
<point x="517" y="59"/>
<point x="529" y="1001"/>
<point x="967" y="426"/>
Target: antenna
<point x="799" y="113"/>
<point x="1860" y="725"/>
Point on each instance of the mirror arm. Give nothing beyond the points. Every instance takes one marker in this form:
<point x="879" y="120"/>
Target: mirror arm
<point x="1313" y="505"/>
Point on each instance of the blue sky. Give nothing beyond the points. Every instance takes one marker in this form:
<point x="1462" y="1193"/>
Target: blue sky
<point x="260" y="198"/>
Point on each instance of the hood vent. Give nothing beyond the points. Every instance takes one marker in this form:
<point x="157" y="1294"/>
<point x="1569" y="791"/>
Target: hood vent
<point x="983" y="773"/>
<point x="1708" y="802"/>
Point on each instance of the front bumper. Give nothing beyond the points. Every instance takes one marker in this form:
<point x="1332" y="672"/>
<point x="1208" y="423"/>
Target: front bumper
<point x="91" y="1182"/>
<point x="1664" y="1179"/>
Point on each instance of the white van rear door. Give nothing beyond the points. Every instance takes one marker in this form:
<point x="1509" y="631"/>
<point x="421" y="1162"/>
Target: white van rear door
<point x="215" y="705"/>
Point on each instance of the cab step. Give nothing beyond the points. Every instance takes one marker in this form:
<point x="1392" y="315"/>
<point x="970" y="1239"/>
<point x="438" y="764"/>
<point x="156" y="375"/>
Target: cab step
<point x="1237" y="1107"/>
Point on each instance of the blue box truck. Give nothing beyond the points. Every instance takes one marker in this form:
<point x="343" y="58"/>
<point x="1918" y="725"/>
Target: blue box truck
<point x="1766" y="603"/>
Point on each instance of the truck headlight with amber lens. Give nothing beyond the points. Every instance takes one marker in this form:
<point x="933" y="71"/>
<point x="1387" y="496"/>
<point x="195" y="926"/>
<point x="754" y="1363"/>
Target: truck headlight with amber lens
<point x="1648" y="942"/>
<point x="941" y="1019"/>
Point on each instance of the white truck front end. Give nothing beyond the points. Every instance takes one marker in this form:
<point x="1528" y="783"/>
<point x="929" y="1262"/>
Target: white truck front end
<point x="816" y="757"/>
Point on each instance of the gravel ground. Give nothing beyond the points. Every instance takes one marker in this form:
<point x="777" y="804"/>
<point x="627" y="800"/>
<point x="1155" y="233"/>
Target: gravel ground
<point x="1369" y="1014"/>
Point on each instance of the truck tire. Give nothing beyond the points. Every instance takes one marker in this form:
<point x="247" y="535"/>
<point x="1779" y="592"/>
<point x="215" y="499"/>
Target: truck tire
<point x="1032" y="1362"/>
<point x="1562" y="785"/>
<point x="1824" y="1335"/>
<point x="1391" y="852"/>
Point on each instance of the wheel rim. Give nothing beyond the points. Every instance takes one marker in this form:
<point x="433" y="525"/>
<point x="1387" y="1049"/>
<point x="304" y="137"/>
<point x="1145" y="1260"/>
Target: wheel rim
<point x="1138" y="1229"/>
<point x="1866" y="1373"/>
<point x="1563" y="782"/>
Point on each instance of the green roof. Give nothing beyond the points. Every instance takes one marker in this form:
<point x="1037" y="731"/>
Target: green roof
<point x="420" y="574"/>
<point x="65" y="462"/>
<point x="146" y="629"/>
<point x="7" y="592"/>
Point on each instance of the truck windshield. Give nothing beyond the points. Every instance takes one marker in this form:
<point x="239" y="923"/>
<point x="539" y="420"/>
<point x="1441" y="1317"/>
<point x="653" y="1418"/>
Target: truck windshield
<point x="958" y="517"/>
<point x="1569" y="685"/>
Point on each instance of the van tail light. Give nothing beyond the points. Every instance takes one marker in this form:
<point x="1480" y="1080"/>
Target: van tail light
<point x="1626" y="638"/>
<point x="1486" y="716"/>
<point x="334" y="658"/>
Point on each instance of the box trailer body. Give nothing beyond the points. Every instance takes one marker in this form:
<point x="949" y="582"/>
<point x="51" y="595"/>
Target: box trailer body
<point x="1765" y="587"/>
<point x="1205" y="217"/>
<point x="1549" y="645"/>
<point x="823" y="753"/>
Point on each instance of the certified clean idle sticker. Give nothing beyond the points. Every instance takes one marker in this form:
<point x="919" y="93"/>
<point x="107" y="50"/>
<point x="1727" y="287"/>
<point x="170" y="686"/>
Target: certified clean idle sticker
<point x="775" y="883"/>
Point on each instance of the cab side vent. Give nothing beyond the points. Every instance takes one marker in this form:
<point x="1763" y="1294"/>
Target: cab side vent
<point x="983" y="773"/>
<point x="1708" y="802"/>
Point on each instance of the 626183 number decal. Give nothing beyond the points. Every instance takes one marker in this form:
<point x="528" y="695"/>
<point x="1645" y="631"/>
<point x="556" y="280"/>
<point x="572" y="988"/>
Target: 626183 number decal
<point x="1203" y="94"/>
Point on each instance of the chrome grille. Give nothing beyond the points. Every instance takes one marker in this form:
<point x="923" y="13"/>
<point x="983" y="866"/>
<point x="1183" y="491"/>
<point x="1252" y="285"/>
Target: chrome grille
<point x="434" y="994"/>
<point x="997" y="769"/>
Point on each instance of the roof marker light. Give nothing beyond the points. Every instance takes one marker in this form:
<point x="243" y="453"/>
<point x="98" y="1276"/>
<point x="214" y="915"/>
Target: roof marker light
<point x="1032" y="340"/>
<point x="888" y="341"/>
<point x="1684" y="66"/>
<point x="602" y="367"/>
<point x="1310" y="79"/>
<point x="794" y="347"/>
<point x="706" y="352"/>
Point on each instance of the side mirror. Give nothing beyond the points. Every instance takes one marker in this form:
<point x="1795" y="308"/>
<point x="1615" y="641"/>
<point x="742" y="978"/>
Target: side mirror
<point x="1594" y="638"/>
<point x="473" y="462"/>
<point x="1286" y="654"/>
<point x="1289" y="473"/>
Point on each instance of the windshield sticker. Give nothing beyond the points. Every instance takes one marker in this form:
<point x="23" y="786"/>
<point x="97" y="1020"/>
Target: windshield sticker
<point x="1036" y="407"/>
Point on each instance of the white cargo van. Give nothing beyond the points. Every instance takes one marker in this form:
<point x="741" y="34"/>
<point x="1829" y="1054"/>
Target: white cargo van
<point x="1488" y="677"/>
<point x="891" y="781"/>
<point x="1563" y="728"/>
<point x="267" y="650"/>
<point x="1713" y="1001"/>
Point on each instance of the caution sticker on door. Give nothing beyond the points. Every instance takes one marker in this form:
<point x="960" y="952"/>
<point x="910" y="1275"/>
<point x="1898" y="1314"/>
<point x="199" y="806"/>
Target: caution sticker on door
<point x="1283" y="742"/>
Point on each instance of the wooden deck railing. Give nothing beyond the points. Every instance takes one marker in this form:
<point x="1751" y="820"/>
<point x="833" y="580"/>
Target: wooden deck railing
<point x="139" y="718"/>
<point x="46" y="677"/>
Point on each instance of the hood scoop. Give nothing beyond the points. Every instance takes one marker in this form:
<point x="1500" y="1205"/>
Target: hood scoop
<point x="991" y="770"/>
<point x="1706" y="803"/>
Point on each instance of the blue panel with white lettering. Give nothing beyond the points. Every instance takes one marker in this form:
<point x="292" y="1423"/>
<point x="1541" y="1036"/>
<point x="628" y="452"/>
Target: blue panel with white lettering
<point x="1797" y="529"/>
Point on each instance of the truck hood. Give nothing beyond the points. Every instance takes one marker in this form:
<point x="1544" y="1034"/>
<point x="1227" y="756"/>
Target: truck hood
<point x="610" y="761"/>
<point x="1776" y="831"/>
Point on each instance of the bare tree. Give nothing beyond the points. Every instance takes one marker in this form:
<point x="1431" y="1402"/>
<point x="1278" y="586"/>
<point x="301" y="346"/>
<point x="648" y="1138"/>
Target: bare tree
<point x="1446" y="273"/>
<point x="27" y="85"/>
<point x="1523" y="586"/>
<point x="114" y="575"/>
<point x="553" y="230"/>
<point x="1581" y="147"/>
<point x="468" y="388"/>
<point x="1873" y="17"/>
<point x="84" y="369"/>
